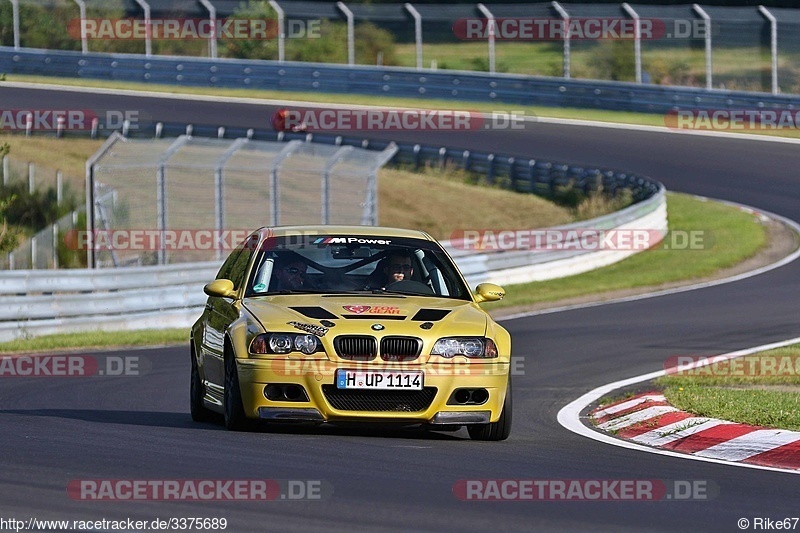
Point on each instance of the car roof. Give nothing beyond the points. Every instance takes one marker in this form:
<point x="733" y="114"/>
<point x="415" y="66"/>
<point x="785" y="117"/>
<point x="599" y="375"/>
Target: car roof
<point x="379" y="231"/>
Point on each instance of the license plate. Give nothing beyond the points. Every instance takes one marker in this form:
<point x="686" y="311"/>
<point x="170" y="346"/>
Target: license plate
<point x="358" y="379"/>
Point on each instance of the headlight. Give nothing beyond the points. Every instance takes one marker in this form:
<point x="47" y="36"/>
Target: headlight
<point x="472" y="347"/>
<point x="283" y="343"/>
<point x="280" y="343"/>
<point x="306" y="344"/>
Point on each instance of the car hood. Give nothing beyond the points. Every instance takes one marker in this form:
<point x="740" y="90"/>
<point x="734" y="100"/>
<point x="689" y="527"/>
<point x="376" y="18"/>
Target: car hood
<point x="399" y="315"/>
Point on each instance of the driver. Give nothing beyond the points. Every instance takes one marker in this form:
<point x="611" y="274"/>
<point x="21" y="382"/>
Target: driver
<point x="290" y="275"/>
<point x="397" y="266"/>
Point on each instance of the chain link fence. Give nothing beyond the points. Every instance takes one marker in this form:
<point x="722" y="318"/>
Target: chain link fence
<point x="738" y="48"/>
<point x="193" y="199"/>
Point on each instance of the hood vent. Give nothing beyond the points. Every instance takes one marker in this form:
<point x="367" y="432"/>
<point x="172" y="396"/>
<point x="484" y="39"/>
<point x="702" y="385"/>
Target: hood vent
<point x="431" y="315"/>
<point x="314" y="312"/>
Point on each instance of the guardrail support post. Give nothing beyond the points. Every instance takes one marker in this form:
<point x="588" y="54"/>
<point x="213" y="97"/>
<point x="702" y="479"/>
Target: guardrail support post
<point x="219" y="187"/>
<point x="31" y="173"/>
<point x="281" y="31"/>
<point x="326" y="181"/>
<point x="212" y="17"/>
<point x="565" y="18"/>
<point x="492" y="27"/>
<point x="417" y="32"/>
<point x="148" y="28"/>
<point x="637" y="40"/>
<point x="84" y="40"/>
<point x="15" y="22"/>
<point x="351" y="51"/>
<point x="161" y="191"/>
<point x="702" y="13"/>
<point x="773" y="45"/>
<point x="274" y="187"/>
<point x="55" y="245"/>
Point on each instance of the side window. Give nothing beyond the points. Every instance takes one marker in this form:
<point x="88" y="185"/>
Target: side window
<point x="239" y="267"/>
<point x="225" y="269"/>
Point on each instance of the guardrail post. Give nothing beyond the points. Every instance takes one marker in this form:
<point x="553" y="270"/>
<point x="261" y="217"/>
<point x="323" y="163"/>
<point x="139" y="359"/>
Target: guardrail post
<point x="281" y="32"/>
<point x="773" y="45"/>
<point x="15" y="23"/>
<point x="219" y="187"/>
<point x="565" y="18"/>
<point x="31" y="172"/>
<point x="274" y="188"/>
<point x="637" y="40"/>
<point x="492" y="27"/>
<point x="33" y="253"/>
<point x="351" y="51"/>
<point x="369" y="216"/>
<point x="417" y="32"/>
<point x="5" y="171"/>
<point x="148" y="28"/>
<point x="212" y="17"/>
<point x="161" y="191"/>
<point x="702" y="12"/>
<point x="55" y="245"/>
<point x="84" y="40"/>
<point x="59" y="187"/>
<point x="326" y="181"/>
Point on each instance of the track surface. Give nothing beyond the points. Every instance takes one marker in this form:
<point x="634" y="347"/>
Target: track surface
<point x="57" y="430"/>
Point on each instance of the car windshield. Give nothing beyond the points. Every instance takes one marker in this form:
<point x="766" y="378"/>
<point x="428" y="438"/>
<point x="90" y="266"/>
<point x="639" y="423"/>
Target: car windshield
<point x="335" y="264"/>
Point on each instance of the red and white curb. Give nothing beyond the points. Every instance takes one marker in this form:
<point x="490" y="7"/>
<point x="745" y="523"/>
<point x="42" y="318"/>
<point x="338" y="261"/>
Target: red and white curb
<point x="649" y="419"/>
<point x="649" y="424"/>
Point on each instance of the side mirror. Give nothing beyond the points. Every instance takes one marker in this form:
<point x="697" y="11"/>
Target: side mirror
<point x="222" y="288"/>
<point x="489" y="292"/>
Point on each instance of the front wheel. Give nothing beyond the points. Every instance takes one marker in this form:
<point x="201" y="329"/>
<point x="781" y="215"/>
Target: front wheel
<point x="234" y="416"/>
<point x="499" y="430"/>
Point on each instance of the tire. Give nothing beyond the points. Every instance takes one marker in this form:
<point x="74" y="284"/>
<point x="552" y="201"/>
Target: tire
<point x="196" y="392"/>
<point x="234" y="416"/>
<point x="499" y="430"/>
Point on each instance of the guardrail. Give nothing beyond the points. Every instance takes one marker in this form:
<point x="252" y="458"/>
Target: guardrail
<point x="39" y="302"/>
<point x="383" y="81"/>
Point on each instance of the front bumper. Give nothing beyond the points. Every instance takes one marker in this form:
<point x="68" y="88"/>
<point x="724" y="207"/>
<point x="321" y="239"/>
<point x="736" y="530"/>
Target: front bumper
<point x="325" y="403"/>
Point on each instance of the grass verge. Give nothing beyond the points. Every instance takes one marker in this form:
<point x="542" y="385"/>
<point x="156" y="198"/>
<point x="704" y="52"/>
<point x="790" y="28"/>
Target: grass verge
<point x="736" y="236"/>
<point x="599" y="115"/>
<point x="760" y="389"/>
<point x="729" y="235"/>
<point x="96" y="339"/>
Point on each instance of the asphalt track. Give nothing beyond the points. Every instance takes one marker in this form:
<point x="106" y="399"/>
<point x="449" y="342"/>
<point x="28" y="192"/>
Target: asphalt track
<point x="57" y="430"/>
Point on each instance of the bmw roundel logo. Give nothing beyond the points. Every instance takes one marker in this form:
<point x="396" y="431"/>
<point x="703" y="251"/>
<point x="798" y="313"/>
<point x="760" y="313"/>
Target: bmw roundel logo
<point x="378" y="327"/>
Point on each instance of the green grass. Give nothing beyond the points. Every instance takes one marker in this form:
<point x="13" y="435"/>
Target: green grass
<point x="737" y="234"/>
<point x="620" y="117"/>
<point x="762" y="389"/>
<point x="96" y="339"/>
<point x="731" y="235"/>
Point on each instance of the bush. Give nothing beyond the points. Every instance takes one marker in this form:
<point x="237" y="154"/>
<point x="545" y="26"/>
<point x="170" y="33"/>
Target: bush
<point x="613" y="60"/>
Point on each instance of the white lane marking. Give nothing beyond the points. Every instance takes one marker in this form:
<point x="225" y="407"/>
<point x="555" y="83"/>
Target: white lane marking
<point x="744" y="275"/>
<point x="677" y="430"/>
<point x="629" y="404"/>
<point x="278" y="102"/>
<point x="754" y="443"/>
<point x="570" y="415"/>
<point x="635" y="418"/>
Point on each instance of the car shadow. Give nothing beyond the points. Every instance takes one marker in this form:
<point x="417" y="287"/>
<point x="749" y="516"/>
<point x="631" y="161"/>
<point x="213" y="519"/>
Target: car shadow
<point x="184" y="420"/>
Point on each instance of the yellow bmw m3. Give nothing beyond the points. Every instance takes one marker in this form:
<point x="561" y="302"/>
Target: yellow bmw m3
<point x="338" y="324"/>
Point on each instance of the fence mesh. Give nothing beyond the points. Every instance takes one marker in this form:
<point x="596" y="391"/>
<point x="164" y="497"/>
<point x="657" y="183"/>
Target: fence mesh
<point x="183" y="189"/>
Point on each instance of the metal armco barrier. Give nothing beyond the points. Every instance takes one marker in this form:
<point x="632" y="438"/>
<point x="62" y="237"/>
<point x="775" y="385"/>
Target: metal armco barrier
<point x="40" y="302"/>
<point x="383" y="81"/>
